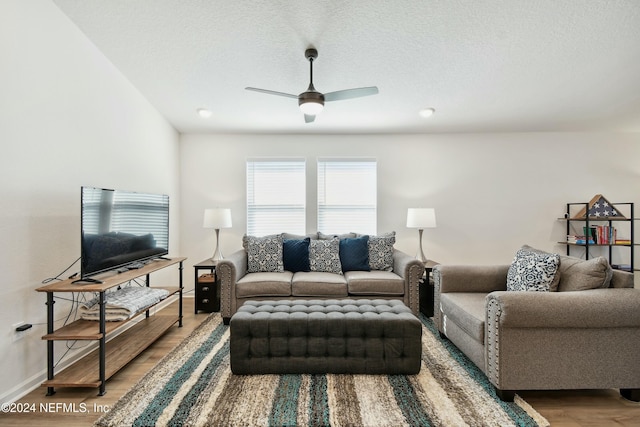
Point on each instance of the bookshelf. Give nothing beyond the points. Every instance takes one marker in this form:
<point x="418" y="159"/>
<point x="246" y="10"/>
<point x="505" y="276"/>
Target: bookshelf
<point x="604" y="232"/>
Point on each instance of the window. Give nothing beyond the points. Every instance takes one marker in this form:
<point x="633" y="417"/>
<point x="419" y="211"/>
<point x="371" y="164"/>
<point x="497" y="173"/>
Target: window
<point x="347" y="195"/>
<point x="275" y="196"/>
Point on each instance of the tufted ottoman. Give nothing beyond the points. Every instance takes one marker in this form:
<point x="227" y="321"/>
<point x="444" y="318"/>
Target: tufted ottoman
<point x="325" y="336"/>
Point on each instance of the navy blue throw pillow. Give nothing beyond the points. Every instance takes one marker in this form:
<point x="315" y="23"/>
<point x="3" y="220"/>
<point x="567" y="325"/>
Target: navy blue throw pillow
<point x="295" y="254"/>
<point x="354" y="254"/>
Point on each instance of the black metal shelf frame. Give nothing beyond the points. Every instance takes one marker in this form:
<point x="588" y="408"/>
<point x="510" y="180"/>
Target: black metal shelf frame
<point x="587" y="220"/>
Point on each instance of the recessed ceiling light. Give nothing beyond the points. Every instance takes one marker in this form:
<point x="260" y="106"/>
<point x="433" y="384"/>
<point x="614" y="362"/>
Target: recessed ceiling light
<point x="427" y="112"/>
<point x="204" y="113"/>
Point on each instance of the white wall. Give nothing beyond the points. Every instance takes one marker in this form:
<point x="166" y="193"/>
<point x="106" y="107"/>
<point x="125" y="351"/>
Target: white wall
<point x="67" y="118"/>
<point x="492" y="192"/>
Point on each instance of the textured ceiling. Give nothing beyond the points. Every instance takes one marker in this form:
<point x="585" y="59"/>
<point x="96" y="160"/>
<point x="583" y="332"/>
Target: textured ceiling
<point x="485" y="66"/>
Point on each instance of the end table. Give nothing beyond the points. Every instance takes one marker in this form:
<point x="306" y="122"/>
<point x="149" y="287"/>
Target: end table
<point x="207" y="287"/>
<point x="427" y="289"/>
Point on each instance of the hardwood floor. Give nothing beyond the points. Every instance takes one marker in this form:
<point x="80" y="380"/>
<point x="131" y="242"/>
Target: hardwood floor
<point x="81" y="406"/>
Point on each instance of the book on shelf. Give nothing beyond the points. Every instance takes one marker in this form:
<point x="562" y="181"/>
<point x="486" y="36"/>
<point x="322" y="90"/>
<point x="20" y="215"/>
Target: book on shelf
<point x="601" y="234"/>
<point x="622" y="241"/>
<point x="579" y="240"/>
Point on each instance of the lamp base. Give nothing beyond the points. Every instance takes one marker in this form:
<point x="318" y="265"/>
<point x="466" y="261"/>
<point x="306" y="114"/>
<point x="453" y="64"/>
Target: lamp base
<point x="420" y="255"/>
<point x="217" y="254"/>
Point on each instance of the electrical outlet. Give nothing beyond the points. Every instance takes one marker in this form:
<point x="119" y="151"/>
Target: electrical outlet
<point x="18" y="335"/>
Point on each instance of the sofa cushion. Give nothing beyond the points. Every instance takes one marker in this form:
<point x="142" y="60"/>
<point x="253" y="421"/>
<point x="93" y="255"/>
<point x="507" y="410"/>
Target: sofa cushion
<point x="578" y="275"/>
<point x="318" y="284"/>
<point x="295" y="254"/>
<point x="324" y="256"/>
<point x="323" y="236"/>
<point x="354" y="254"/>
<point x="374" y="283"/>
<point x="532" y="270"/>
<point x="264" y="254"/>
<point x="264" y="284"/>
<point x="467" y="310"/>
<point x="381" y="251"/>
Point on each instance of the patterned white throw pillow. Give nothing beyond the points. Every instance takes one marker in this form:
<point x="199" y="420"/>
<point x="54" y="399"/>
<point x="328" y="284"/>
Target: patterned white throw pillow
<point x="324" y="255"/>
<point x="264" y="254"/>
<point x="532" y="270"/>
<point x="381" y="251"/>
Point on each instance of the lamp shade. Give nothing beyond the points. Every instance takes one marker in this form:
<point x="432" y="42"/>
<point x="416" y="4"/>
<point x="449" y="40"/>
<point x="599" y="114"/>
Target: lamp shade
<point x="421" y="218"/>
<point x="217" y="218"/>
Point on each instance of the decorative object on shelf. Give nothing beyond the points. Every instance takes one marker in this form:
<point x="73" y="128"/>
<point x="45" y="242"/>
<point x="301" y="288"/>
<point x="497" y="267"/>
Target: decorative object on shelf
<point x="599" y="207"/>
<point x="217" y="218"/>
<point x="421" y="218"/>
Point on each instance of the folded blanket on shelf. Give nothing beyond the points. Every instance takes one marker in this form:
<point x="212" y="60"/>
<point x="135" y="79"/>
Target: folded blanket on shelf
<point x="123" y="303"/>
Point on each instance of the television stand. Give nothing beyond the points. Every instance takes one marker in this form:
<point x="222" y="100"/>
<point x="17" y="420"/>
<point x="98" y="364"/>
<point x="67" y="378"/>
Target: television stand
<point x="92" y="370"/>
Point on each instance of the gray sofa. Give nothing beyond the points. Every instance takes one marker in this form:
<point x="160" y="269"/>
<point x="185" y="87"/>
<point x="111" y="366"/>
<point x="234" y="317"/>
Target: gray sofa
<point x="584" y="335"/>
<point x="399" y="281"/>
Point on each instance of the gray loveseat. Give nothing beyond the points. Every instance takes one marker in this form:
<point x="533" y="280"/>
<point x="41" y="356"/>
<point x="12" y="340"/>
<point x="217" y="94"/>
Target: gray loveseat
<point x="585" y="334"/>
<point x="380" y="272"/>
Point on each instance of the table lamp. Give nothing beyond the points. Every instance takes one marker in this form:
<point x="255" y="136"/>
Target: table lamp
<point x="421" y="218"/>
<point x="217" y="218"/>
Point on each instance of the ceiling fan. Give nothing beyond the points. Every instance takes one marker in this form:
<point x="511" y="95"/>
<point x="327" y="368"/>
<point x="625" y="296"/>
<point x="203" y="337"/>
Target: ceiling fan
<point x="311" y="101"/>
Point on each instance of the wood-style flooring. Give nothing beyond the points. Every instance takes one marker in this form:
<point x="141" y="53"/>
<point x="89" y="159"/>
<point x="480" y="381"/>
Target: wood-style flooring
<point x="585" y="408"/>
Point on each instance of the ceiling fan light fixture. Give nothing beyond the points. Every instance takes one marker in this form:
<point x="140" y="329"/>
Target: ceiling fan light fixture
<point x="311" y="107"/>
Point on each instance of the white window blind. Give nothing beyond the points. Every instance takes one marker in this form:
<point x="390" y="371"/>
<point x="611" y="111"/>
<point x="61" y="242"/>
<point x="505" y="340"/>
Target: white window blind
<point x="347" y="195"/>
<point x="275" y="196"/>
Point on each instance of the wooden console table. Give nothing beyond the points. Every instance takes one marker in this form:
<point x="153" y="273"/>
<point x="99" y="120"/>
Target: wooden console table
<point x="96" y="368"/>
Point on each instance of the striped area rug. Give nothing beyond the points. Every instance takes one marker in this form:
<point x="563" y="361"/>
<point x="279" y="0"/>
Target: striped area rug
<point x="193" y="386"/>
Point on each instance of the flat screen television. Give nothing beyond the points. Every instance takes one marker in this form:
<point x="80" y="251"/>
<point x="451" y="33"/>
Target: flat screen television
<point x="121" y="228"/>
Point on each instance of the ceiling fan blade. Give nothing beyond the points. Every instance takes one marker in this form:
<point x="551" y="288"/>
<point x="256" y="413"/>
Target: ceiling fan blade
<point x="272" y="92"/>
<point x="308" y="118"/>
<point x="350" y="93"/>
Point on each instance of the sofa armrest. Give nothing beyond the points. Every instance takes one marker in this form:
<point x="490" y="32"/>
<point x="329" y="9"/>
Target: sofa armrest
<point x="465" y="278"/>
<point x="471" y="278"/>
<point x="411" y="270"/>
<point x="230" y="270"/>
<point x="621" y="279"/>
<point x="560" y="340"/>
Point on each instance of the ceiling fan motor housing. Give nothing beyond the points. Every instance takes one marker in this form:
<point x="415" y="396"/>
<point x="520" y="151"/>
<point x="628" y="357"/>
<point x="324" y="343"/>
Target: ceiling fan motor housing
<point x="311" y="96"/>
